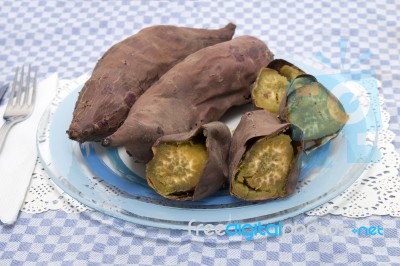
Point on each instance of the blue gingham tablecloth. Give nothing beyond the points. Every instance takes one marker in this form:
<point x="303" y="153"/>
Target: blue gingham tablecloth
<point x="68" y="37"/>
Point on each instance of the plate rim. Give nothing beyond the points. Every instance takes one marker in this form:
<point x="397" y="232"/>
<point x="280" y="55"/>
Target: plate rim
<point x="159" y="223"/>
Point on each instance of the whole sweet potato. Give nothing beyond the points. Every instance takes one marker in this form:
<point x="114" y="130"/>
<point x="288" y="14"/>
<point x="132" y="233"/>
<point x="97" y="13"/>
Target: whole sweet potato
<point x="128" y="69"/>
<point x="196" y="91"/>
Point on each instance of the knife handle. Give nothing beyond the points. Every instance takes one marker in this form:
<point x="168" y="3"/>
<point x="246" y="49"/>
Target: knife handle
<point x="4" y="131"/>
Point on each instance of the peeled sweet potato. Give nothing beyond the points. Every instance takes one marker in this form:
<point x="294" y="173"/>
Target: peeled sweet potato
<point x="128" y="69"/>
<point x="196" y="91"/>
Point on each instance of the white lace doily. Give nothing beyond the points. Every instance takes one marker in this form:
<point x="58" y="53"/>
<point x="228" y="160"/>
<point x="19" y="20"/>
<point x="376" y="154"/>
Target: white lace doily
<point x="376" y="191"/>
<point x="43" y="194"/>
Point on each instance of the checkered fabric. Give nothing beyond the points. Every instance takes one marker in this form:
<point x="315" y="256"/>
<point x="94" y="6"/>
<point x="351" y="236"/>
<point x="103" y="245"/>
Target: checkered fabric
<point x="97" y="239"/>
<point x="68" y="37"/>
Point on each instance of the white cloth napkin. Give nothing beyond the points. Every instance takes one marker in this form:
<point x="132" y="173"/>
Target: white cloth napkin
<point x="19" y="154"/>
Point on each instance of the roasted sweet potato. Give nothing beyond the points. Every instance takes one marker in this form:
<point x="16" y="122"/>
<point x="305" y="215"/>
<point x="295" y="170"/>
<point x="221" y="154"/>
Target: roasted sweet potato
<point x="190" y="165"/>
<point x="285" y="68"/>
<point x="128" y="69"/>
<point x="196" y="91"/>
<point x="263" y="158"/>
<point x="316" y="111"/>
<point x="298" y="98"/>
<point x="269" y="90"/>
<point x="271" y="85"/>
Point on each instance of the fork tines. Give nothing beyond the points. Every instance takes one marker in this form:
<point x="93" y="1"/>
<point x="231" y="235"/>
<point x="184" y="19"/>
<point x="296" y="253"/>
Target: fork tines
<point x="26" y="92"/>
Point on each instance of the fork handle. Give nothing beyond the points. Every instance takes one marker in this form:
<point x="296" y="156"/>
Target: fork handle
<point x="4" y="131"/>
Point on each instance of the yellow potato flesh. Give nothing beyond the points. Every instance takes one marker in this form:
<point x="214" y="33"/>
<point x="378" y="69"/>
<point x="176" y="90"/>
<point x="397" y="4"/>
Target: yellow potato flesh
<point x="269" y="90"/>
<point x="176" y="167"/>
<point x="263" y="172"/>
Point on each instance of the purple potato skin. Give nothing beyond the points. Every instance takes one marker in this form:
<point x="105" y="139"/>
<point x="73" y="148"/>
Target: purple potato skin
<point x="215" y="173"/>
<point x="128" y="69"/>
<point x="253" y="126"/>
<point x="196" y="91"/>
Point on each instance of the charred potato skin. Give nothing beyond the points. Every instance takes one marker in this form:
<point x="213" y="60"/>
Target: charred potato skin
<point x="253" y="126"/>
<point x="128" y="69"/>
<point x="196" y="91"/>
<point x="215" y="173"/>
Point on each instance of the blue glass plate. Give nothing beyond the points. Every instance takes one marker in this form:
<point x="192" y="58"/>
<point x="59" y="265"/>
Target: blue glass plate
<point x="107" y="180"/>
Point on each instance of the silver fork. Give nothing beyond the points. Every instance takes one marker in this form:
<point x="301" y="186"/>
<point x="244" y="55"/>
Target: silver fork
<point x="21" y="102"/>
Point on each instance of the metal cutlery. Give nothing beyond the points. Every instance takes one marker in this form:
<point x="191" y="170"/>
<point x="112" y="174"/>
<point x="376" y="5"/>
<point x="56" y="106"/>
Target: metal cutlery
<point x="3" y="90"/>
<point x="20" y="103"/>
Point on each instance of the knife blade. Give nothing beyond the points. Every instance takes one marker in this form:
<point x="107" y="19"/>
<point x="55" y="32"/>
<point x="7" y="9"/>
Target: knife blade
<point x="3" y="90"/>
<point x="19" y="154"/>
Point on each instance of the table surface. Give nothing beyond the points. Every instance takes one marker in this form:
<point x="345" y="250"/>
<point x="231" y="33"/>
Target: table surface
<point x="68" y="37"/>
